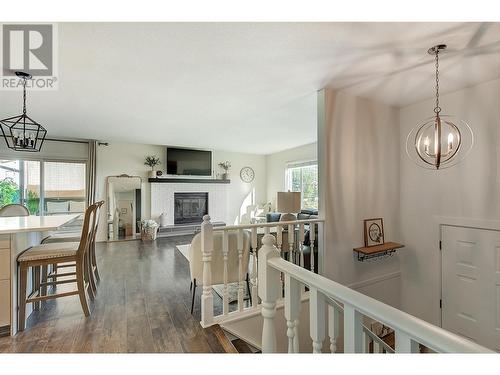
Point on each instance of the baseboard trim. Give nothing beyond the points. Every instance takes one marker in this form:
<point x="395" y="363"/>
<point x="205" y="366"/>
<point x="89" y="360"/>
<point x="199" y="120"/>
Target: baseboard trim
<point x="374" y="280"/>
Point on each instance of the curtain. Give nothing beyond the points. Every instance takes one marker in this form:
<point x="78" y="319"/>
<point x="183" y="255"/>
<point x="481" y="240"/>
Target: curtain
<point x="92" y="170"/>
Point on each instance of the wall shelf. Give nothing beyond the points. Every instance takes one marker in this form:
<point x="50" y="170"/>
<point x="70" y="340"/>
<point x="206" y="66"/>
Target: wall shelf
<point x="377" y="251"/>
<point x="188" y="181"/>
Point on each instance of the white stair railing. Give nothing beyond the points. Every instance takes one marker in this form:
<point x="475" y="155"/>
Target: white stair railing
<point x="291" y="233"/>
<point x="324" y="293"/>
<point x="372" y="342"/>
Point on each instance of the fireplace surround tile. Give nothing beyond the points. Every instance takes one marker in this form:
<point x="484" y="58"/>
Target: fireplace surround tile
<point x="162" y="199"/>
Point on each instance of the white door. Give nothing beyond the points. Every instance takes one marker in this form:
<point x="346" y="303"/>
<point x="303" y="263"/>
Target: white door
<point x="471" y="284"/>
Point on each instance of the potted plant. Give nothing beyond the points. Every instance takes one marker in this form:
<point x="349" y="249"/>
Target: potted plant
<point x="152" y="162"/>
<point x="225" y="165"/>
<point x="149" y="229"/>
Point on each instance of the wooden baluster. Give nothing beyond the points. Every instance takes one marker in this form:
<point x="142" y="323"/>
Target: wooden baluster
<point x="312" y="237"/>
<point x="291" y="240"/>
<point x="269" y="292"/>
<point x="225" y="250"/>
<point x="376" y="347"/>
<point x="254" y="269"/>
<point x="279" y="238"/>
<point x="381" y="349"/>
<point x="366" y="342"/>
<point x="296" y="337"/>
<point x="241" y="283"/>
<point x="353" y="330"/>
<point x="207" y="244"/>
<point x="301" y="244"/>
<point x="279" y="243"/>
<point x="292" y="310"/>
<point x="317" y="318"/>
<point x="320" y="245"/>
<point x="333" y="327"/>
<point x="405" y="344"/>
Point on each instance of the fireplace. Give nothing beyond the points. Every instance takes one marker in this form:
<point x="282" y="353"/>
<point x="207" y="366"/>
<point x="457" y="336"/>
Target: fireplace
<point x="190" y="207"/>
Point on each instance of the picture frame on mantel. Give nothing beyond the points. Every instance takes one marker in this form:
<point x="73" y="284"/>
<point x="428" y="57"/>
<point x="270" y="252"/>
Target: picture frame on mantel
<point x="374" y="232"/>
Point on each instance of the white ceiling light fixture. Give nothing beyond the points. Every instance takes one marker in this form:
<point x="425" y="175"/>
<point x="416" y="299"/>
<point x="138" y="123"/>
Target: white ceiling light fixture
<point x="442" y="141"/>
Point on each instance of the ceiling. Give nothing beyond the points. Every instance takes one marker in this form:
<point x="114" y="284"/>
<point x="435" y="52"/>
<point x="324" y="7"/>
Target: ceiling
<point x="247" y="87"/>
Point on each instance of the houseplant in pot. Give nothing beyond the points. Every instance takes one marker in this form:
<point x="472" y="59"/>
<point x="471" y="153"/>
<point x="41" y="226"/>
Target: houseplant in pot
<point x="226" y="166"/>
<point x="149" y="229"/>
<point x="152" y="162"/>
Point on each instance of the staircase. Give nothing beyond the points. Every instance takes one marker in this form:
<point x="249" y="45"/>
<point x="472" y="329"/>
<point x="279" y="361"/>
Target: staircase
<point x="328" y="317"/>
<point x="230" y="343"/>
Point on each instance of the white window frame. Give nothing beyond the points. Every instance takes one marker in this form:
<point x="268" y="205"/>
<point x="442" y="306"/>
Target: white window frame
<point x="42" y="176"/>
<point x="297" y="164"/>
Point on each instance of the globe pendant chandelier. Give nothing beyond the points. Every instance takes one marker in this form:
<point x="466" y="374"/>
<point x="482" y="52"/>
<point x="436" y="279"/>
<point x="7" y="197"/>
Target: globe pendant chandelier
<point x="22" y="133"/>
<point x="441" y="141"/>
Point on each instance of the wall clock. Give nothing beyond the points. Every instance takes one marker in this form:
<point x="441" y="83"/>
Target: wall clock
<point x="247" y="174"/>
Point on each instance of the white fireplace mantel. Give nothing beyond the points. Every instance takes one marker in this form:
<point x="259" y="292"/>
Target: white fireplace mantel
<point x="162" y="199"/>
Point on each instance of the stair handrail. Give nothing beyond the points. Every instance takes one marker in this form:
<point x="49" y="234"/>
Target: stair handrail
<point x="368" y="332"/>
<point x="410" y="331"/>
<point x="266" y="225"/>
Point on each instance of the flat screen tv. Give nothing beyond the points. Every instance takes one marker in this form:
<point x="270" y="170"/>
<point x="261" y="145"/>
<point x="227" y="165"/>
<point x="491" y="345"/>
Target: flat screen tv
<point x="189" y="162"/>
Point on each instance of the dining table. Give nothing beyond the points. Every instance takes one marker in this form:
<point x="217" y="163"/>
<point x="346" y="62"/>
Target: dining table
<point x="17" y="234"/>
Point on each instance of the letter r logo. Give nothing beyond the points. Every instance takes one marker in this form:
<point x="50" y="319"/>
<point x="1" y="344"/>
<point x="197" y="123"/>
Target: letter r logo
<point x="28" y="48"/>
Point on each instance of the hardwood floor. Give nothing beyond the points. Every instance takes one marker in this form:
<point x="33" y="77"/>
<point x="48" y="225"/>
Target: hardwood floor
<point x="142" y="306"/>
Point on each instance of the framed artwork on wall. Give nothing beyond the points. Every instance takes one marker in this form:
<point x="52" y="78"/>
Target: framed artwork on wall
<point x="374" y="232"/>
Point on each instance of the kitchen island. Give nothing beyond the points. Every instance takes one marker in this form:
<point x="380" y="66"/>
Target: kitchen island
<point x="17" y="234"/>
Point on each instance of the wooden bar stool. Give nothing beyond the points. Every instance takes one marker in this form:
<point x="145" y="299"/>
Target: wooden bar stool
<point x="94" y="277"/>
<point x="57" y="253"/>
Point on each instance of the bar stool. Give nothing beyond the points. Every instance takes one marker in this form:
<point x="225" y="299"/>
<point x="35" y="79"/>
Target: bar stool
<point x="62" y="237"/>
<point x="57" y="253"/>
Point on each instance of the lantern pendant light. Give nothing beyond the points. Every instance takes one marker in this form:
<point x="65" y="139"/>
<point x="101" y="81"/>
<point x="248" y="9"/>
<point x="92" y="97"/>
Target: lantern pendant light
<point x="441" y="141"/>
<point x="22" y="133"/>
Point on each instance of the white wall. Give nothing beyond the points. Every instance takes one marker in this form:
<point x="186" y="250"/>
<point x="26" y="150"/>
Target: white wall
<point x="125" y="158"/>
<point x="128" y="158"/>
<point x="276" y="166"/>
<point x="358" y="144"/>
<point x="242" y="194"/>
<point x="469" y="190"/>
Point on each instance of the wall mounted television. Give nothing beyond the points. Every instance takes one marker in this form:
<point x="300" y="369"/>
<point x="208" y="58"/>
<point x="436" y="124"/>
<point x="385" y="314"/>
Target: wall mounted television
<point x="189" y="162"/>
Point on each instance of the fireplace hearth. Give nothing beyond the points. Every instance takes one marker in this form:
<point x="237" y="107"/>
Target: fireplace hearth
<point x="189" y="208"/>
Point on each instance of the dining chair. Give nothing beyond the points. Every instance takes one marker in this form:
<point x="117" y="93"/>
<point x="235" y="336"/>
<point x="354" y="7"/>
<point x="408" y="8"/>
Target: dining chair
<point x="217" y="263"/>
<point x="57" y="253"/>
<point x="14" y="209"/>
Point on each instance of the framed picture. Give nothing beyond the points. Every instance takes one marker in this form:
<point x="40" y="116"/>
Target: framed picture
<point x="123" y="211"/>
<point x="374" y="232"/>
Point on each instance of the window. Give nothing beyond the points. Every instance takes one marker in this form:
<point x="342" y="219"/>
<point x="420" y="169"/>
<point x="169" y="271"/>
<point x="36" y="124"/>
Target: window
<point x="64" y="185"/>
<point x="303" y="177"/>
<point x="20" y="183"/>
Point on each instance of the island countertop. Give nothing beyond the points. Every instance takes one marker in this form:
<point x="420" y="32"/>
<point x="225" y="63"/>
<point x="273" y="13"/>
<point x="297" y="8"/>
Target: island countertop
<point x="19" y="224"/>
<point x="17" y="234"/>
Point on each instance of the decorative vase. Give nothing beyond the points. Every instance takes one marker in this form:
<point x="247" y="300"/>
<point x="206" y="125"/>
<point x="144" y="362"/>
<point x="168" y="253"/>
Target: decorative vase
<point x="152" y="174"/>
<point x="225" y="176"/>
<point x="163" y="219"/>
